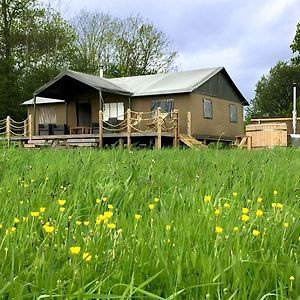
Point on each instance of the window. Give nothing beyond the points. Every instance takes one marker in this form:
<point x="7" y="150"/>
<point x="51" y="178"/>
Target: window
<point x="114" y="111"/>
<point x="207" y="109"/>
<point x="232" y="113"/>
<point x="46" y="114"/>
<point x="166" y="105"/>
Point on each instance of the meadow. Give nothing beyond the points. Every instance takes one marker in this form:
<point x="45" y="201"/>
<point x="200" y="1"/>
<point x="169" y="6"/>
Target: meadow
<point x="149" y="224"/>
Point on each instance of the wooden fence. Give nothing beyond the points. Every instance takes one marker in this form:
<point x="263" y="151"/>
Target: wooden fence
<point x="267" y="135"/>
<point x="11" y="129"/>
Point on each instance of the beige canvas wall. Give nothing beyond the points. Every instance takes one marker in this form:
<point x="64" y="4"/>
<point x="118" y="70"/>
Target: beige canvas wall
<point x="219" y="125"/>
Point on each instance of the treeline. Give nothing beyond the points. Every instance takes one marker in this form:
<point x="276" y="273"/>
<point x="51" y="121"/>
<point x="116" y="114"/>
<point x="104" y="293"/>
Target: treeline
<point x="273" y="94"/>
<point x="36" y="43"/>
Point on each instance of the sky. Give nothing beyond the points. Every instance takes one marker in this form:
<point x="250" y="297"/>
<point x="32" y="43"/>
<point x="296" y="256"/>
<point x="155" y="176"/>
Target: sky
<point x="246" y="37"/>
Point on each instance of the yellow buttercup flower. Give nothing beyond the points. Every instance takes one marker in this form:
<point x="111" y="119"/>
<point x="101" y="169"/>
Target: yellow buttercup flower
<point x="35" y="213"/>
<point x="111" y="225"/>
<point x="86" y="256"/>
<point x="151" y="206"/>
<point x="78" y="222"/>
<point x="25" y="219"/>
<point x="245" y="210"/>
<point x="62" y="209"/>
<point x="104" y="199"/>
<point x="274" y="205"/>
<point x="275" y="192"/>
<point x="86" y="223"/>
<point x="75" y="250"/>
<point x="235" y="228"/>
<point x="110" y="206"/>
<point x="285" y="225"/>
<point x="61" y="202"/>
<point x="42" y="209"/>
<point x="16" y="220"/>
<point x="234" y="194"/>
<point x="11" y="230"/>
<point x="98" y="200"/>
<point x="218" y="229"/>
<point x="279" y="205"/>
<point x="217" y="212"/>
<point x="259" y="199"/>
<point x="245" y="218"/>
<point x="207" y="198"/>
<point x="137" y="217"/>
<point x="255" y="232"/>
<point x="259" y="213"/>
<point x="156" y="199"/>
<point x="168" y="227"/>
<point x="108" y="214"/>
<point x="48" y="228"/>
<point x="1" y="226"/>
<point x="226" y="205"/>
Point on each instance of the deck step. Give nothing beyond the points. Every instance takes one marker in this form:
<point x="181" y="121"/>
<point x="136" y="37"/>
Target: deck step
<point x="191" y="142"/>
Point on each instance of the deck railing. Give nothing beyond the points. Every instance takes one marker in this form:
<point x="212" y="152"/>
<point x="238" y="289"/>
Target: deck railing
<point x="140" y="122"/>
<point x="131" y="123"/>
<point x="11" y="129"/>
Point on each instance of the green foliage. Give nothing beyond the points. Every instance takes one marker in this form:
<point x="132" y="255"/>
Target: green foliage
<point x="295" y="46"/>
<point x="274" y="92"/>
<point x="35" y="44"/>
<point x="125" y="47"/>
<point x="173" y="251"/>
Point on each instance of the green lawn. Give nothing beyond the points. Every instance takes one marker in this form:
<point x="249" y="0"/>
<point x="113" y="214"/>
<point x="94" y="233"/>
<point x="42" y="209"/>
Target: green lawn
<point x="196" y="240"/>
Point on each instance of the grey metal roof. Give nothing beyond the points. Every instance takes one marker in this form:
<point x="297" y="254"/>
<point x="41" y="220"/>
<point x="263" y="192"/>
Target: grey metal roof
<point x="42" y="100"/>
<point x="91" y="80"/>
<point x="145" y="85"/>
<point x="170" y="83"/>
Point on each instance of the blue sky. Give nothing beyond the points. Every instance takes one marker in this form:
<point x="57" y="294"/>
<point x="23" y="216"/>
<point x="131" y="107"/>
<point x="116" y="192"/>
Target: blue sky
<point x="246" y="37"/>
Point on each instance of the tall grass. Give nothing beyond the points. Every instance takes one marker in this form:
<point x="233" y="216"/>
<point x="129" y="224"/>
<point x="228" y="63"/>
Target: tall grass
<point x="183" y="248"/>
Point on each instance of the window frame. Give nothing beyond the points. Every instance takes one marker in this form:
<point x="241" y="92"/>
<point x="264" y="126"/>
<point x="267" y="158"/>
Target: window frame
<point x="119" y="108"/>
<point x="154" y="107"/>
<point x="204" y="110"/>
<point x="233" y="120"/>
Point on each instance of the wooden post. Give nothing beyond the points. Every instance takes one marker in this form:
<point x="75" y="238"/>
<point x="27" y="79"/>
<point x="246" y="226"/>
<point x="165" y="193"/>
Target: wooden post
<point x="176" y="134"/>
<point x="158" y="142"/>
<point x="25" y="127"/>
<point x="30" y="127"/>
<point x="8" y="128"/>
<point x="189" y="123"/>
<point x="100" y="129"/>
<point x="34" y="116"/>
<point x="249" y="142"/>
<point x="128" y="128"/>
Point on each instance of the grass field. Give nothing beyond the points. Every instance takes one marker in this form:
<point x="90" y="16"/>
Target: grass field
<point x="169" y="224"/>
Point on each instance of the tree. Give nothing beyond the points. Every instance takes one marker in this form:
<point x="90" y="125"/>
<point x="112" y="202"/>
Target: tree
<point x="295" y="46"/>
<point x="274" y="92"/>
<point x="35" y="44"/>
<point x="125" y="47"/>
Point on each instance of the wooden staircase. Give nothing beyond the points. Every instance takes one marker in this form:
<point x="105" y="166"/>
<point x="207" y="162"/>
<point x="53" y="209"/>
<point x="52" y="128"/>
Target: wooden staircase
<point x="191" y="142"/>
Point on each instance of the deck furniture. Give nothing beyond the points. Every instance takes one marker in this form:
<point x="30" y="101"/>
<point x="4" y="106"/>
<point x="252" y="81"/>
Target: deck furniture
<point x="59" y="129"/>
<point x="45" y="129"/>
<point x="80" y="130"/>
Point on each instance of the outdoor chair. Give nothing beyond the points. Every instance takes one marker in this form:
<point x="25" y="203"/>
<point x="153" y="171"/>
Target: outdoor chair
<point x="60" y="129"/>
<point x="45" y="129"/>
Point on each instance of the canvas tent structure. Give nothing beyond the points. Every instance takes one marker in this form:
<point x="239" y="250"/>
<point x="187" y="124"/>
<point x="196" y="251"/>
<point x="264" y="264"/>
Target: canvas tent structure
<point x="210" y="95"/>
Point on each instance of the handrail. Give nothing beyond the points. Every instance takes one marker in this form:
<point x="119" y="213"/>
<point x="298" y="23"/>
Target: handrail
<point x="13" y="128"/>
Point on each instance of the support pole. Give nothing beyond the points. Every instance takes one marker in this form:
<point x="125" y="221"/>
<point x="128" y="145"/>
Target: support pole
<point x="8" y="128"/>
<point x="249" y="142"/>
<point x="176" y="134"/>
<point x="294" y="108"/>
<point x="34" y="114"/>
<point x="189" y="123"/>
<point x="30" y="127"/>
<point x="158" y="143"/>
<point x="128" y="128"/>
<point x="100" y="129"/>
